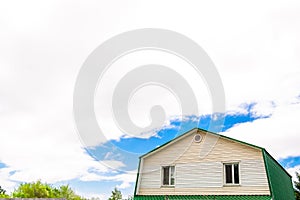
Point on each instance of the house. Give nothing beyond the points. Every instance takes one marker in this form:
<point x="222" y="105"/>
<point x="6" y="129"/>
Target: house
<point x="205" y="165"/>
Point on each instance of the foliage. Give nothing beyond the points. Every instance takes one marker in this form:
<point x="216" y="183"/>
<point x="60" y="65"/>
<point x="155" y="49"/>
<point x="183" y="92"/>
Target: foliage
<point x="115" y="195"/>
<point x="3" y="193"/>
<point x="3" y="196"/>
<point x="297" y="186"/>
<point x="130" y="198"/>
<point x="33" y="190"/>
<point x="66" y="192"/>
<point x="44" y="190"/>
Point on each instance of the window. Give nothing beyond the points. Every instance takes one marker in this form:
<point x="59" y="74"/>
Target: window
<point x="232" y="173"/>
<point x="168" y="173"/>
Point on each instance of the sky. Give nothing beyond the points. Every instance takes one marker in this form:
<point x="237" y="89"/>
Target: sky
<point x="254" y="45"/>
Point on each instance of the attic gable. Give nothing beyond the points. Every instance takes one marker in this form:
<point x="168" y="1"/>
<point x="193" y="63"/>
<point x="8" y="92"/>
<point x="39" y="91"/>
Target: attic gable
<point x="211" y="139"/>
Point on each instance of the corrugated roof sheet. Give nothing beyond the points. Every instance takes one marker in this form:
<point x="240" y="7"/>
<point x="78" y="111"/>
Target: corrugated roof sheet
<point x="280" y="182"/>
<point x="201" y="197"/>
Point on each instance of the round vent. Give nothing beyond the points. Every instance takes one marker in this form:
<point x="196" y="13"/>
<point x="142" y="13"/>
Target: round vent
<point x="197" y="138"/>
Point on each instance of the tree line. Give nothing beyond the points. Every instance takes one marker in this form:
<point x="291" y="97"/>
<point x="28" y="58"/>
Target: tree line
<point x="43" y="190"/>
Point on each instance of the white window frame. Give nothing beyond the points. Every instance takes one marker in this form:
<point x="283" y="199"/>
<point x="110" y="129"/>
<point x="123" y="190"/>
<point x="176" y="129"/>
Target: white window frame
<point x="232" y="168"/>
<point x="170" y="171"/>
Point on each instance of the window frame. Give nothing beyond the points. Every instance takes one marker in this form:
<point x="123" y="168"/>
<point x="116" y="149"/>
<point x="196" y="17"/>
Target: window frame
<point x="170" y="177"/>
<point x="232" y="174"/>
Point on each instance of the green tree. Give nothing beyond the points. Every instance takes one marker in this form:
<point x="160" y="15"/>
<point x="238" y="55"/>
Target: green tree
<point x="44" y="190"/>
<point x="130" y="198"/>
<point x="66" y="192"/>
<point x="115" y="195"/>
<point x="3" y="193"/>
<point x="33" y="190"/>
<point x="297" y="186"/>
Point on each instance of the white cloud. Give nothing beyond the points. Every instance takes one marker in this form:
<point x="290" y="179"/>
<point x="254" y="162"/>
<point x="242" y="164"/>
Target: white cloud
<point x="263" y="109"/>
<point x="44" y="44"/>
<point x="42" y="144"/>
<point x="6" y="182"/>
<point x="114" y="164"/>
<point x="126" y="178"/>
<point x="279" y="133"/>
<point x="292" y="171"/>
<point x="146" y="96"/>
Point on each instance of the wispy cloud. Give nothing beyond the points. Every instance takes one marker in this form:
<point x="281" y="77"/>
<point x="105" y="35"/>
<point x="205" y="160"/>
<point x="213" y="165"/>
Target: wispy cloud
<point x="125" y="179"/>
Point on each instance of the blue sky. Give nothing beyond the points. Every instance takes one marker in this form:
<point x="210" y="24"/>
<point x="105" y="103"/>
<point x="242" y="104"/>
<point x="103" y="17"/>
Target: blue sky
<point x="139" y="146"/>
<point x="43" y="47"/>
<point x="179" y="127"/>
<point x="135" y="147"/>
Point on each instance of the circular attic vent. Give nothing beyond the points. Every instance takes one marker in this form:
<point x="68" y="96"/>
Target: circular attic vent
<point x="197" y="138"/>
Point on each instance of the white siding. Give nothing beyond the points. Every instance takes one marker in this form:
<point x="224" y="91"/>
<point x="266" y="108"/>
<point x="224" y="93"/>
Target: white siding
<point x="253" y="173"/>
<point x="150" y="177"/>
<point x="199" y="167"/>
<point x="199" y="175"/>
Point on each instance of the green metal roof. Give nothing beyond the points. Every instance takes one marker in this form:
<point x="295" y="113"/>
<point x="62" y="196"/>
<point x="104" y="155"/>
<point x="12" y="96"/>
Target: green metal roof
<point x="201" y="197"/>
<point x="279" y="181"/>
